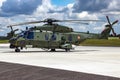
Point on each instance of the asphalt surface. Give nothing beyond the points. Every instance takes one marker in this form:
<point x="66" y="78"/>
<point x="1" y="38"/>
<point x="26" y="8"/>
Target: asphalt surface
<point x="84" y="63"/>
<point x="10" y="71"/>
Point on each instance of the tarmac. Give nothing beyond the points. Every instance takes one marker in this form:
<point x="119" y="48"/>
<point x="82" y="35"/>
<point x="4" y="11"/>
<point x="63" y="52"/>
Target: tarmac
<point x="103" y="61"/>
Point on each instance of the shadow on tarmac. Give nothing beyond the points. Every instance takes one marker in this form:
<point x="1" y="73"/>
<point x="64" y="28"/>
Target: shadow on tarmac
<point x="57" y="51"/>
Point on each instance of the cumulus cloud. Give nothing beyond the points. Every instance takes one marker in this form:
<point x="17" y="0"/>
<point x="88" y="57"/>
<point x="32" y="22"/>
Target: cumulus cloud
<point x="86" y="15"/>
<point x="90" y="5"/>
<point x="48" y="10"/>
<point x="113" y="8"/>
<point x="45" y="7"/>
<point x="96" y="6"/>
<point x="1" y="2"/>
<point x="16" y="7"/>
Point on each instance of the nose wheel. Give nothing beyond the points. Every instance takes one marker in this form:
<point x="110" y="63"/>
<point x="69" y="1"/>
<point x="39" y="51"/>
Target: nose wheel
<point x="67" y="50"/>
<point x="53" y="50"/>
<point x="17" y="50"/>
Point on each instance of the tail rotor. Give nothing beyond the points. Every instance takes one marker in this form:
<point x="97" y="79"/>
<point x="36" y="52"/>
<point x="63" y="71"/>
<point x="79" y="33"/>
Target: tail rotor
<point x="111" y="25"/>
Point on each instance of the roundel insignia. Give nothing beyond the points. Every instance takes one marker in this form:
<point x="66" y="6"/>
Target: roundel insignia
<point x="78" y="37"/>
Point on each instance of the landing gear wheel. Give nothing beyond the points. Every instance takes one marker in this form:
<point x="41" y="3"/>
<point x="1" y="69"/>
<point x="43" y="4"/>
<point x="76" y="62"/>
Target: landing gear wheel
<point x="21" y="48"/>
<point x="17" y="50"/>
<point x="53" y="50"/>
<point x="67" y="50"/>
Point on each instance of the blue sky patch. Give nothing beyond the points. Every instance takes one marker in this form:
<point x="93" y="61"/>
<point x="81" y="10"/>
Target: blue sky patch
<point x="62" y="2"/>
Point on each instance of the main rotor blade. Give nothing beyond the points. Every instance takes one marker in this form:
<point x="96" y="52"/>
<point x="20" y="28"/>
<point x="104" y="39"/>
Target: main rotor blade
<point x="80" y="20"/>
<point x="26" y="23"/>
<point x="16" y="30"/>
<point x="84" y="23"/>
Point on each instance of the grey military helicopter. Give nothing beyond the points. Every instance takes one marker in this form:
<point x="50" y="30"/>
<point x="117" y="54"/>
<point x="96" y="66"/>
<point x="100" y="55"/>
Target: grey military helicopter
<point x="54" y="36"/>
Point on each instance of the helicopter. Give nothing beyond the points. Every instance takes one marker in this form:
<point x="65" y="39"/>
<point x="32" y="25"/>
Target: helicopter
<point x="52" y="36"/>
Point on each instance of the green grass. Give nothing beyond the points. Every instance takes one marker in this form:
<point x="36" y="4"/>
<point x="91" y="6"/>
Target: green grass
<point x="92" y="42"/>
<point x="3" y="41"/>
<point x="101" y="42"/>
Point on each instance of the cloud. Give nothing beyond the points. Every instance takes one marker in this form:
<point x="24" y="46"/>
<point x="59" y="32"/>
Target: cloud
<point x="90" y="5"/>
<point x="96" y="6"/>
<point x="113" y="8"/>
<point x="46" y="5"/>
<point x="48" y="10"/>
<point x="16" y="7"/>
<point x="86" y="15"/>
<point x="1" y="2"/>
<point x="114" y="5"/>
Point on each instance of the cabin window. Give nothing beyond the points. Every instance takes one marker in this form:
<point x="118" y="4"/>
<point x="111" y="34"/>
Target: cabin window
<point x="30" y="35"/>
<point x="70" y="37"/>
<point x="63" y="40"/>
<point x="53" y="37"/>
<point x="46" y="36"/>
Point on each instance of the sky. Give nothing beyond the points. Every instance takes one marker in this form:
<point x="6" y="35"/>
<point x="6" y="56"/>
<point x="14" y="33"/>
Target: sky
<point x="17" y="11"/>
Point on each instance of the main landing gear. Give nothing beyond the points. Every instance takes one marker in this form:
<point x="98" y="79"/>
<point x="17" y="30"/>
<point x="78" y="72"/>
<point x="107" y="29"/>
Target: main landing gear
<point x="17" y="50"/>
<point x="53" y="50"/>
<point x="67" y="50"/>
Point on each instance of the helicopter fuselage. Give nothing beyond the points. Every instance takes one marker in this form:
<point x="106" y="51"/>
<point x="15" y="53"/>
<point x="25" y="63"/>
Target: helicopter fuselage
<point x="45" y="39"/>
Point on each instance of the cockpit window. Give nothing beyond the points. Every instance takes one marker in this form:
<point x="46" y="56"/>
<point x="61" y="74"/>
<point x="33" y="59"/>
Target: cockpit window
<point x="26" y="34"/>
